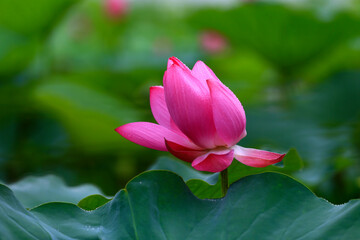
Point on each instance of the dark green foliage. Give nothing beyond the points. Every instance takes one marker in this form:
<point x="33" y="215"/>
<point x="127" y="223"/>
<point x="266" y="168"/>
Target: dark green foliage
<point x="158" y="205"/>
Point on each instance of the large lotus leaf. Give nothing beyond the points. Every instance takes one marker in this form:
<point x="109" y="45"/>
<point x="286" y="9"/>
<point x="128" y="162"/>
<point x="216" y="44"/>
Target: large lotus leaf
<point x="33" y="191"/>
<point x="340" y="95"/>
<point x="16" y="50"/>
<point x="205" y="185"/>
<point x="23" y="25"/>
<point x="28" y="17"/>
<point x="158" y="205"/>
<point x="287" y="37"/>
<point x="343" y="57"/>
<point x="90" y="115"/>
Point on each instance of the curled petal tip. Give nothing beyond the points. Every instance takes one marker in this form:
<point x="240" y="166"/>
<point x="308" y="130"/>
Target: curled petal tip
<point x="151" y="135"/>
<point x="173" y="61"/>
<point x="144" y="134"/>
<point x="255" y="157"/>
<point x="119" y="129"/>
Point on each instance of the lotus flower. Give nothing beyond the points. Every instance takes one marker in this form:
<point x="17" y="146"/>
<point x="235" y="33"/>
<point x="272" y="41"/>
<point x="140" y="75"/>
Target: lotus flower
<point x="116" y="8"/>
<point x="213" y="42"/>
<point x="199" y="119"/>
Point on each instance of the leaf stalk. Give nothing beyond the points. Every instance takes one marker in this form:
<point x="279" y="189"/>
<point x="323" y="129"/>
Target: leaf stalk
<point x="224" y="182"/>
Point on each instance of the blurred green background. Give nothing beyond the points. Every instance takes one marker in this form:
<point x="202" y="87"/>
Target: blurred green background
<point x="71" y="71"/>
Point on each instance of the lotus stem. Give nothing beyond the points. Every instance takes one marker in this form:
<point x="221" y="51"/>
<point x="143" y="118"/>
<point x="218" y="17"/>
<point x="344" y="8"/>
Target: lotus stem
<point x="224" y="182"/>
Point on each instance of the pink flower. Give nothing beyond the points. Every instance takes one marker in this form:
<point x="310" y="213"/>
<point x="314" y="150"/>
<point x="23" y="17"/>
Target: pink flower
<point x="200" y="121"/>
<point x="116" y="8"/>
<point x="213" y="42"/>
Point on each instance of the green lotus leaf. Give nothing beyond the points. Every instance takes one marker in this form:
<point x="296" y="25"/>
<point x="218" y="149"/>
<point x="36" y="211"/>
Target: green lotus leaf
<point x="33" y="191"/>
<point x="159" y="205"/>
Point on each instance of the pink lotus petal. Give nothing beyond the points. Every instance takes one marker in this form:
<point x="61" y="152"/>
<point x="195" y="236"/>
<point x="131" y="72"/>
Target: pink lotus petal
<point x="189" y="105"/>
<point x="158" y="106"/>
<point x="203" y="72"/>
<point x="160" y="110"/>
<point x="256" y="158"/>
<point x="183" y="153"/>
<point x="214" y="161"/>
<point x="176" y="61"/>
<point x="229" y="114"/>
<point x="151" y="135"/>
